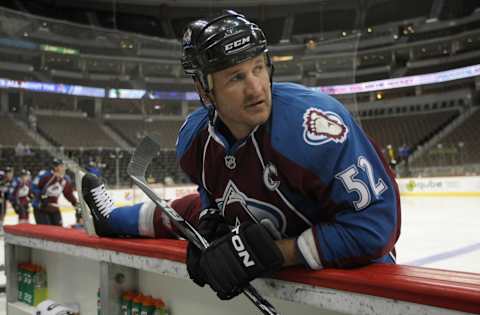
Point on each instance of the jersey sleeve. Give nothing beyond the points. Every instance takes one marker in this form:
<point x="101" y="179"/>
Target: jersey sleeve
<point x="38" y="183"/>
<point x="366" y="228"/>
<point x="349" y="180"/>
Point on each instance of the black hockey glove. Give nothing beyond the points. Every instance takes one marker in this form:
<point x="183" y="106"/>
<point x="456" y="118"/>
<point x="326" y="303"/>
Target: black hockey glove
<point x="43" y="202"/>
<point x="231" y="262"/>
<point x="212" y="225"/>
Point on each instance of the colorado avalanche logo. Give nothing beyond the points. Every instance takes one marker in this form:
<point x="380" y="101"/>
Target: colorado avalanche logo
<point x="238" y="207"/>
<point x="321" y="127"/>
<point x="54" y="190"/>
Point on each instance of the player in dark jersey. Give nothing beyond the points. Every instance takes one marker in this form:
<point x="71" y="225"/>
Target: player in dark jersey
<point x="47" y="187"/>
<point x="20" y="194"/>
<point x="287" y="167"/>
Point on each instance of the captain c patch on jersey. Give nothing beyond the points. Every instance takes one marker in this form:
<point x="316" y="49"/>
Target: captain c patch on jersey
<point x="320" y="127"/>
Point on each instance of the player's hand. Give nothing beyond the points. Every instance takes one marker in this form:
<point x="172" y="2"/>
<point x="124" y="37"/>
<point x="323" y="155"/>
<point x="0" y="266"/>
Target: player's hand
<point x="231" y="262"/>
<point x="212" y="225"/>
<point x="43" y="198"/>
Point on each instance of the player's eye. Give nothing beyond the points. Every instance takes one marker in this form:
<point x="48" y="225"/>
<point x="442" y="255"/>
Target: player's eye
<point x="237" y="77"/>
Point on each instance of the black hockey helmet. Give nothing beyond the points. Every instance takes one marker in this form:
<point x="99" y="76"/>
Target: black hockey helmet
<point x="224" y="41"/>
<point x="56" y="162"/>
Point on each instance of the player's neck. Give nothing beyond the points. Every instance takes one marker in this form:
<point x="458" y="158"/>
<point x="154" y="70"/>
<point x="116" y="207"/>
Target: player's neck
<point x="223" y="129"/>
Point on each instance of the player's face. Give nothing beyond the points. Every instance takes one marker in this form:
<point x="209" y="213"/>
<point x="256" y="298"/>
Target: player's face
<point x="242" y="95"/>
<point x="60" y="170"/>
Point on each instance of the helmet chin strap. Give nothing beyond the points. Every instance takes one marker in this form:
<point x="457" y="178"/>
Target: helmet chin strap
<point x="206" y="90"/>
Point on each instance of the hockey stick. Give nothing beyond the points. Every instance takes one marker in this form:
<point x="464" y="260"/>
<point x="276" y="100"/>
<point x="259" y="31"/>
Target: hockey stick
<point x="141" y="159"/>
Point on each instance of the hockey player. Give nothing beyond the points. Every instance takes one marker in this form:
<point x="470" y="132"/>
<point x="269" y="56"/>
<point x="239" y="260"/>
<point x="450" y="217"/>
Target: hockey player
<point x="19" y="195"/>
<point x="47" y="187"/>
<point x="288" y="168"/>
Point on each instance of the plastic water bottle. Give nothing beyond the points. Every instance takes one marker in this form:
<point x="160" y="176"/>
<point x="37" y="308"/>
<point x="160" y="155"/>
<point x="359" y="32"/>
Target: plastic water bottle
<point x="160" y="307"/>
<point x="137" y="304"/>
<point x="148" y="306"/>
<point x="99" y="304"/>
<point x="126" y="303"/>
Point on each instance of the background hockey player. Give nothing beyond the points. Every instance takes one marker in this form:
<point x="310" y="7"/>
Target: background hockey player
<point x="288" y="168"/>
<point x="47" y="188"/>
<point x="19" y="195"/>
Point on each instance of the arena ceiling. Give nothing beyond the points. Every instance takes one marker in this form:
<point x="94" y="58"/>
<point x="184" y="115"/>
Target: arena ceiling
<point x="167" y="18"/>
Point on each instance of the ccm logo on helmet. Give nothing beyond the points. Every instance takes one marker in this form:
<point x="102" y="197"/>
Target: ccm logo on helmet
<point x="237" y="45"/>
<point x="240" y="248"/>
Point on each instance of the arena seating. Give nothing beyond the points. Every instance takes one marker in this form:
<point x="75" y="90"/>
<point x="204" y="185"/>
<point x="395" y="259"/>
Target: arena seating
<point x="461" y="146"/>
<point x="134" y="130"/>
<point x="410" y="129"/>
<point x="73" y="132"/>
<point x="85" y="141"/>
<point x="11" y="134"/>
<point x="161" y="167"/>
<point x="468" y="134"/>
<point x="36" y="161"/>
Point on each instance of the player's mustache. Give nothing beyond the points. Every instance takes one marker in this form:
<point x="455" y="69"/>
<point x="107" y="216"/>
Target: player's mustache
<point x="254" y="99"/>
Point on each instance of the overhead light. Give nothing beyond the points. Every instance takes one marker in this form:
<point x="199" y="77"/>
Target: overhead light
<point x="369" y="30"/>
<point x="379" y="95"/>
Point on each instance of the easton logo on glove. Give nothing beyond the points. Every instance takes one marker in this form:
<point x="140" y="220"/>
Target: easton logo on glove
<point x="233" y="260"/>
<point x="240" y="248"/>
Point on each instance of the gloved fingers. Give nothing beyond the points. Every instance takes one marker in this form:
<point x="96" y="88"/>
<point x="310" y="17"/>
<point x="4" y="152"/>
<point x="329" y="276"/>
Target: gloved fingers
<point x="193" y="265"/>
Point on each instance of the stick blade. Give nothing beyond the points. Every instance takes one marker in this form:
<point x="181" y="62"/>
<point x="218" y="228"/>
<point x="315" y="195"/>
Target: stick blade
<point x="143" y="156"/>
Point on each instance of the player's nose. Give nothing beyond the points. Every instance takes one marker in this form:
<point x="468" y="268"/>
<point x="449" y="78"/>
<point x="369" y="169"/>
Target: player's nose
<point x="253" y="85"/>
